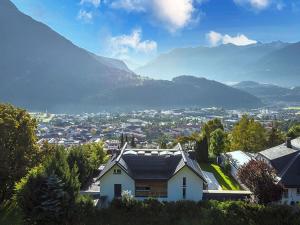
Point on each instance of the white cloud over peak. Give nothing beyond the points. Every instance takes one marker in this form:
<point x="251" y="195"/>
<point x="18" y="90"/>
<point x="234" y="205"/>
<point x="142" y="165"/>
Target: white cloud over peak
<point x="123" y="44"/>
<point x="85" y="16"/>
<point x="216" y="38"/>
<point x="95" y="3"/>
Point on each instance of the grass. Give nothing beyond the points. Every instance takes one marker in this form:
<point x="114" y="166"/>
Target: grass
<point x="10" y="214"/>
<point x="227" y="182"/>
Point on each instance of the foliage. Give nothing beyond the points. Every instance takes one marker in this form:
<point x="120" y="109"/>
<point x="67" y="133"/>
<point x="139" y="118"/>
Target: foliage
<point x="87" y="158"/>
<point x="294" y="131"/>
<point x="260" y="178"/>
<point x="18" y="150"/>
<point x="132" y="143"/>
<point x="48" y="194"/>
<point x="218" y="142"/>
<point x="211" y="126"/>
<point x="248" y="135"/>
<point x="201" y="150"/>
<point x="10" y="213"/>
<point x="150" y="212"/>
<point x="226" y="181"/>
<point x="275" y="137"/>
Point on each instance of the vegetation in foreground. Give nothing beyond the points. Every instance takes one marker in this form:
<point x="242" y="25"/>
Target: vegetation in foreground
<point x="152" y="212"/>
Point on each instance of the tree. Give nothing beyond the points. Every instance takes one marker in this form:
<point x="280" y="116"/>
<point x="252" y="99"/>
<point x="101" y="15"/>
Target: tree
<point x="211" y="126"/>
<point x="260" y="178"/>
<point x="48" y="194"/>
<point x="294" y="131"/>
<point x="275" y="137"/>
<point x="248" y="135"/>
<point x="18" y="149"/>
<point x="126" y="138"/>
<point x="218" y="142"/>
<point x="87" y="158"/>
<point x="133" y="144"/>
<point x="77" y="157"/>
<point x="201" y="150"/>
<point x="122" y="140"/>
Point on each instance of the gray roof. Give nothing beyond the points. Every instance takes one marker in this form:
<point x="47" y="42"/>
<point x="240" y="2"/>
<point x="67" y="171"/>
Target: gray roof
<point x="290" y="176"/>
<point x="153" y="167"/>
<point x="279" y="156"/>
<point x="286" y="161"/>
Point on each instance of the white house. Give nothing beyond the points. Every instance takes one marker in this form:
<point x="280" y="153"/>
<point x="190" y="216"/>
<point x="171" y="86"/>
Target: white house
<point x="285" y="159"/>
<point x="236" y="159"/>
<point x="165" y="174"/>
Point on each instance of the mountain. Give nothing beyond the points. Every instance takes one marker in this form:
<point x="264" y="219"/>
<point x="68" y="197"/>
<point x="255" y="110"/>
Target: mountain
<point x="182" y="91"/>
<point x="269" y="93"/>
<point x="39" y="67"/>
<point x="41" y="70"/>
<point x="274" y="62"/>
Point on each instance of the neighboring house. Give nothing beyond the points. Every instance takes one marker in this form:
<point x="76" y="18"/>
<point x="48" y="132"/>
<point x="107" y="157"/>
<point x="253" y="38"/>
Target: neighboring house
<point x="285" y="159"/>
<point x="236" y="159"/>
<point x="165" y="174"/>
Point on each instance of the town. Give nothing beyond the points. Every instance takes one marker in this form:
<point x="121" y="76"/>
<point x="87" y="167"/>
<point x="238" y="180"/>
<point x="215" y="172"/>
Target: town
<point x="148" y="127"/>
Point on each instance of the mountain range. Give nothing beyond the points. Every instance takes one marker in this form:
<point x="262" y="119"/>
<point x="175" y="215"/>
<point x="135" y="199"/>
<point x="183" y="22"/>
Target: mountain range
<point x="270" y="94"/>
<point x="275" y="62"/>
<point x="40" y="69"/>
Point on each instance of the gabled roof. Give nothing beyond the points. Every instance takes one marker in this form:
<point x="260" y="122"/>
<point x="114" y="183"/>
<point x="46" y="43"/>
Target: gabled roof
<point x="154" y="167"/>
<point x="290" y="176"/>
<point x="279" y="156"/>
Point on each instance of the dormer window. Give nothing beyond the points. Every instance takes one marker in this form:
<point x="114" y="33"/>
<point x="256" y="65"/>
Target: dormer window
<point x="117" y="171"/>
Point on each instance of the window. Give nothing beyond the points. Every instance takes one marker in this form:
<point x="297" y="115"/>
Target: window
<point x="142" y="188"/>
<point x="184" y="187"/>
<point x="117" y="171"/>
<point x="184" y="192"/>
<point x="298" y="191"/>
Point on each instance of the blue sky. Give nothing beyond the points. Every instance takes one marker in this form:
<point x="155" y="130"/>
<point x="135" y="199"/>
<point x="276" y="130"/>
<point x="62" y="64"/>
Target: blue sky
<point x="138" y="30"/>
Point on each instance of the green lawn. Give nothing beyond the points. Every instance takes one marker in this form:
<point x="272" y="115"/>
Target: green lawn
<point x="227" y="182"/>
<point x="9" y="214"/>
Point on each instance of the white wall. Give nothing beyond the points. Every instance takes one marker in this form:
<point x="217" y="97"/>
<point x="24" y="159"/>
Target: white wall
<point x="194" y="186"/>
<point x="109" y="179"/>
<point x="292" y="196"/>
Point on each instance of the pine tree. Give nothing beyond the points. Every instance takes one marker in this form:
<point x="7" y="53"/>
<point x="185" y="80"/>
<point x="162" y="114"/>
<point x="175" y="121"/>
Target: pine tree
<point x="133" y="144"/>
<point x="201" y="150"/>
<point x="126" y="139"/>
<point x="122" y="140"/>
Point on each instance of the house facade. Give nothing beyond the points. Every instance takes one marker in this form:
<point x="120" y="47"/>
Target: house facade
<point x="167" y="175"/>
<point x="285" y="159"/>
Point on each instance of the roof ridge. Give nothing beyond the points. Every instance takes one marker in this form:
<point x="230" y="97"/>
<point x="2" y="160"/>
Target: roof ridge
<point x="289" y="165"/>
<point x="122" y="151"/>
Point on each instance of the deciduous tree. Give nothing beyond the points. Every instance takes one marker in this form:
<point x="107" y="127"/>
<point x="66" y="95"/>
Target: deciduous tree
<point x="248" y="135"/>
<point x="18" y="149"/>
<point x="260" y="178"/>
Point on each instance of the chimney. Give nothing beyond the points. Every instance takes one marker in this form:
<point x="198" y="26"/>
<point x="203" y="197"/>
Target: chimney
<point x="288" y="142"/>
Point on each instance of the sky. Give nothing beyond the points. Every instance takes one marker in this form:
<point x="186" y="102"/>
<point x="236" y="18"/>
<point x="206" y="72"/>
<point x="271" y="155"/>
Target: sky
<point x="136" y="31"/>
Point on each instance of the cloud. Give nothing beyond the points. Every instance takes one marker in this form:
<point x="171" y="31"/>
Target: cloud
<point x="215" y="39"/>
<point x="129" y="5"/>
<point x="255" y="4"/>
<point x="123" y="44"/>
<point x="176" y="14"/>
<point x="172" y="14"/>
<point x="85" y="16"/>
<point x="95" y="3"/>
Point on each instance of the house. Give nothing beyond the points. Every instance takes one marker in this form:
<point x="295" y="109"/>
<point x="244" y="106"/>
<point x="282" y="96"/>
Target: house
<point x="236" y="159"/>
<point x="164" y="174"/>
<point x="285" y="159"/>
